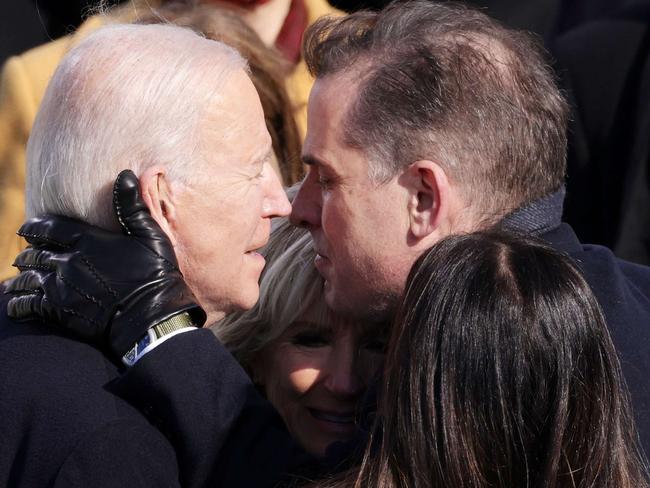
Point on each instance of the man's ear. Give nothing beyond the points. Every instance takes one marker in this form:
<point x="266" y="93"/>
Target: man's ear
<point x="429" y="191"/>
<point x="157" y="194"/>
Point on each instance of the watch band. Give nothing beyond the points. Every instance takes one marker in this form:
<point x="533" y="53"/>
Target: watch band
<point x="172" y="324"/>
<point x="155" y="333"/>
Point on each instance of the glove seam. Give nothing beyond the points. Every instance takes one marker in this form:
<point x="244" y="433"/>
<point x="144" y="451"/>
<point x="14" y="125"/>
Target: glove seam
<point x="81" y="292"/>
<point x="77" y="314"/>
<point x="117" y="206"/>
<point x="74" y="313"/>
<point x="174" y="267"/>
<point x="99" y="278"/>
<point x="44" y="238"/>
<point x="42" y="267"/>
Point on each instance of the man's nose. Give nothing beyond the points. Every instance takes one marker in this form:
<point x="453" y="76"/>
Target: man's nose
<point x="276" y="203"/>
<point x="306" y="207"/>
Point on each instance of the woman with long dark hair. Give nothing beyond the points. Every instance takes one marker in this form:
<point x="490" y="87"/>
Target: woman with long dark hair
<point x="500" y="373"/>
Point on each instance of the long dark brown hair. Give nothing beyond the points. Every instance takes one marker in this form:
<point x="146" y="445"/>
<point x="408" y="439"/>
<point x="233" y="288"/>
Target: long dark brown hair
<point x="500" y="373"/>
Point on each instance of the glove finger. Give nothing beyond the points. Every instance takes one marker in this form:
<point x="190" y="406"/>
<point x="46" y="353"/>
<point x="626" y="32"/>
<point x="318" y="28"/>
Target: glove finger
<point x="35" y="306"/>
<point x="53" y="231"/>
<point x="31" y="258"/>
<point x="37" y="294"/>
<point x="135" y="218"/>
<point x="27" y="306"/>
<point x="69" y="271"/>
<point x="27" y="282"/>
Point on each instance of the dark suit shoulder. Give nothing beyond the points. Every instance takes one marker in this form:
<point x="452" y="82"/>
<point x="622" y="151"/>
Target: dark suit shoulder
<point x="53" y="399"/>
<point x="623" y="293"/>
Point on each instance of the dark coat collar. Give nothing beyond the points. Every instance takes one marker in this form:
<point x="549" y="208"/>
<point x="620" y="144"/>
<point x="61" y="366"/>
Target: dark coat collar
<point x="537" y="218"/>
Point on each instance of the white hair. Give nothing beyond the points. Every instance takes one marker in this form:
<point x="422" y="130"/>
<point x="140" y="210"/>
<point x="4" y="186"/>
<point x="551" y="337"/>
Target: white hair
<point x="127" y="97"/>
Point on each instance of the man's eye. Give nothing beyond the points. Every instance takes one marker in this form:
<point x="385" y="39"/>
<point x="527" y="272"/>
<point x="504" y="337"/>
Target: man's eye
<point x="310" y="340"/>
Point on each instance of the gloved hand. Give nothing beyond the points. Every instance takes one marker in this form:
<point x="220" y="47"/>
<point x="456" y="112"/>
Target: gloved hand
<point x="105" y="287"/>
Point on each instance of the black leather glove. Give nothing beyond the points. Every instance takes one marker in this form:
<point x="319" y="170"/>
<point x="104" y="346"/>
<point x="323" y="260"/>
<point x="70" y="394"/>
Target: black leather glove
<point x="105" y="287"/>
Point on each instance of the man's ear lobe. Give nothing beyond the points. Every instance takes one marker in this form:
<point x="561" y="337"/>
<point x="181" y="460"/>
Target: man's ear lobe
<point x="428" y="197"/>
<point x="157" y="194"/>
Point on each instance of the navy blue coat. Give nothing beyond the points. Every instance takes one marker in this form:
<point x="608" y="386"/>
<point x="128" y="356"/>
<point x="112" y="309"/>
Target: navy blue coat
<point x="59" y="424"/>
<point x="229" y="436"/>
<point x="623" y="292"/>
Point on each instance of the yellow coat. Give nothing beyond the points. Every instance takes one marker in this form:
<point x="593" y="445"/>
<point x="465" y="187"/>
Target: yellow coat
<point x="23" y="81"/>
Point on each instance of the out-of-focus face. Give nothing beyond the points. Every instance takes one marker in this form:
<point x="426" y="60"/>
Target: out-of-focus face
<point x="360" y="228"/>
<point x="223" y="218"/>
<point x="315" y="375"/>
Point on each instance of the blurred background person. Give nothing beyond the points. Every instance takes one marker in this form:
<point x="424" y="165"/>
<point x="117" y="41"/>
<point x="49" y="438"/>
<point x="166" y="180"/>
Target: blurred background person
<point x="500" y="373"/>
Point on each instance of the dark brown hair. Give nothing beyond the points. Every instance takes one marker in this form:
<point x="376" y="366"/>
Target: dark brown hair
<point x="500" y="373"/>
<point x="444" y="82"/>
<point x="268" y="70"/>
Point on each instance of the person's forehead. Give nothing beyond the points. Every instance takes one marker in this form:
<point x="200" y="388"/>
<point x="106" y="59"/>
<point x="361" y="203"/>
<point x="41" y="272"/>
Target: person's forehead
<point x="234" y="124"/>
<point x="332" y="96"/>
<point x="325" y="144"/>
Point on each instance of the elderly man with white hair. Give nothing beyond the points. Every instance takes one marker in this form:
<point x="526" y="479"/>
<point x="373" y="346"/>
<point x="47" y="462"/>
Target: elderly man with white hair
<point x="180" y="112"/>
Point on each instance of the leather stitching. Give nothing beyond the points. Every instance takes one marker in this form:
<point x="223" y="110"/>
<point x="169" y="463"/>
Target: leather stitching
<point x="42" y="267"/>
<point x="80" y="291"/>
<point x="75" y="314"/>
<point x="118" y="208"/>
<point x="98" y="277"/>
<point x="44" y="238"/>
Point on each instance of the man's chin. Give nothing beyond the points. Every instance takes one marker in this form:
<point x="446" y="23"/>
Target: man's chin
<point x="245" y="299"/>
<point x="339" y="301"/>
<point x="347" y="303"/>
<point x="248" y="300"/>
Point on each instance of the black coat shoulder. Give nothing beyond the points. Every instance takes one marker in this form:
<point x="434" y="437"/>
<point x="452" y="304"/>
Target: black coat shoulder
<point x="60" y="425"/>
<point x="623" y="292"/>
